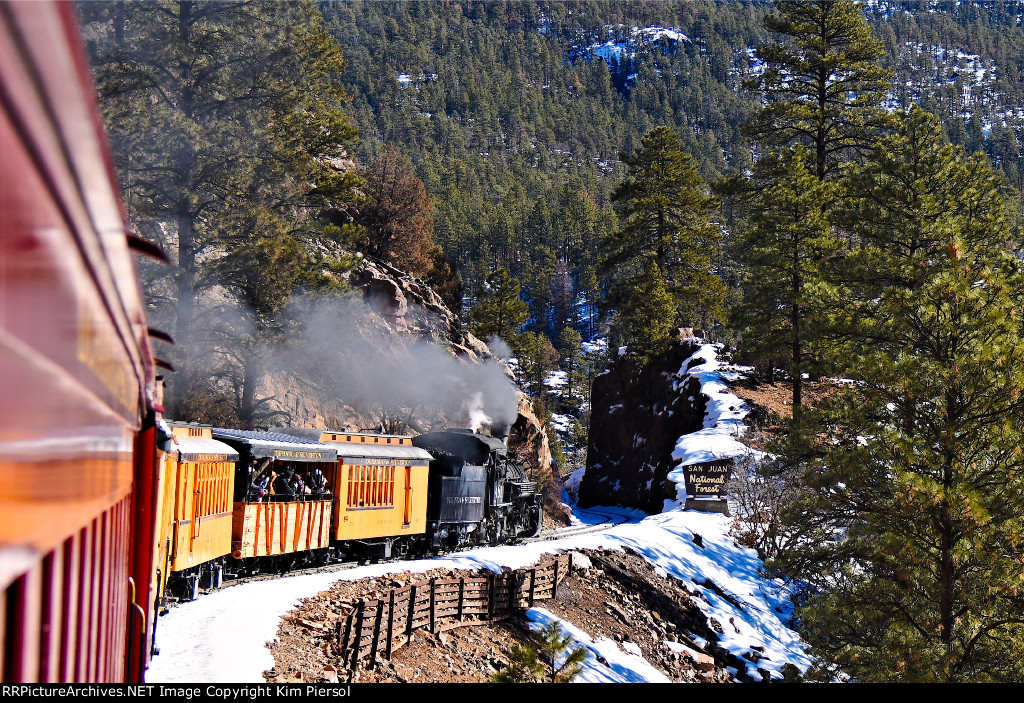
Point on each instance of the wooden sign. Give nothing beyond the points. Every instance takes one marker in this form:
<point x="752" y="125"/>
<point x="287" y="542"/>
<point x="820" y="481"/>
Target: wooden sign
<point x="707" y="480"/>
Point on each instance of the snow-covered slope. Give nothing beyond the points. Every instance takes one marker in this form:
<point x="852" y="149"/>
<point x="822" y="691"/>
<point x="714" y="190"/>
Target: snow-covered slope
<point x="723" y="419"/>
<point x="221" y="636"/>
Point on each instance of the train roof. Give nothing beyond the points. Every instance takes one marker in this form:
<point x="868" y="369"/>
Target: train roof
<point x="276" y="445"/>
<point x="359" y="450"/>
<point x="382" y="451"/>
<point x="318" y="435"/>
<point x="204" y="449"/>
<point x="471" y="446"/>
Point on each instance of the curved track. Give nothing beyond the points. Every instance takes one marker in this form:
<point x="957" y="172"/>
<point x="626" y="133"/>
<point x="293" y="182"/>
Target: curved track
<point x="593" y="520"/>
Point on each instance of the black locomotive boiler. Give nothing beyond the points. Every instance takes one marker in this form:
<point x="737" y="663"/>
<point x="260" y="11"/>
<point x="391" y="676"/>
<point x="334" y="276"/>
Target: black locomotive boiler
<point x="478" y="493"/>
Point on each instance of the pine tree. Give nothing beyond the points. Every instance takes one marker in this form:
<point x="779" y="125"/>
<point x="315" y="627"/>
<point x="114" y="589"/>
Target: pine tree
<point x="666" y="230"/>
<point x="783" y="248"/>
<point x="553" y="659"/>
<point x="397" y="219"/>
<point x="563" y="661"/>
<point x="572" y="363"/>
<point x="919" y="464"/>
<point x="824" y="82"/>
<point x="823" y="86"/>
<point x="644" y="322"/>
<point x="499" y="311"/>
<point x="524" y="666"/>
<point x="227" y="131"/>
<point x="537" y="357"/>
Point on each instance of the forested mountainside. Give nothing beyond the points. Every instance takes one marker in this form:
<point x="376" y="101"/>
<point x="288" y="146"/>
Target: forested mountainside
<point x="457" y="140"/>
<point x="514" y="113"/>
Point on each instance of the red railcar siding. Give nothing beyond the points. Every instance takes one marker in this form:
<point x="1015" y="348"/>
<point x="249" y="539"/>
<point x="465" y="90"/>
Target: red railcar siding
<point x="76" y="367"/>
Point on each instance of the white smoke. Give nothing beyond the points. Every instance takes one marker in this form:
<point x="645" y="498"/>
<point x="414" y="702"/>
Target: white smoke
<point x="353" y="357"/>
<point x="498" y="347"/>
<point x="475" y="410"/>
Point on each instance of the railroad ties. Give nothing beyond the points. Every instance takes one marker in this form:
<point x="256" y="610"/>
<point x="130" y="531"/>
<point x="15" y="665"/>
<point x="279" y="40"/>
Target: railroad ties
<point x="375" y="627"/>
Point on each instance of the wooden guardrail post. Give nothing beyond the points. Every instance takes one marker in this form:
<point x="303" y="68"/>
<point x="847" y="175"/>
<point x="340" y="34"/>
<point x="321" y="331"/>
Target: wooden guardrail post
<point x="554" y="582"/>
<point x="348" y="634"/>
<point x="376" y="634"/>
<point x="533" y="583"/>
<point x="359" y="634"/>
<point x="462" y="594"/>
<point x="433" y="606"/>
<point x="490" y="597"/>
<point x="391" y="624"/>
<point x="412" y="614"/>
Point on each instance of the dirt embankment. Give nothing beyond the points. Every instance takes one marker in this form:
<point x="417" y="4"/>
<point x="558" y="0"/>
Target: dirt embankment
<point x="771" y="406"/>
<point x="613" y="594"/>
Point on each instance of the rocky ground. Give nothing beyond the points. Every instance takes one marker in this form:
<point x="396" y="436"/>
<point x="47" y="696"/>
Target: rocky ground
<point x="610" y="594"/>
<point x="771" y="404"/>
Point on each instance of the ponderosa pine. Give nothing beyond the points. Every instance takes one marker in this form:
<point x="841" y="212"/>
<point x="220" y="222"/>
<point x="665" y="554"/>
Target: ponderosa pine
<point x="823" y="87"/>
<point x="823" y="81"/>
<point x="666" y="230"/>
<point x="916" y="471"/>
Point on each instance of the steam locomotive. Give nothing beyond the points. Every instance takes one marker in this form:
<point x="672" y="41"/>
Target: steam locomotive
<point x="478" y="494"/>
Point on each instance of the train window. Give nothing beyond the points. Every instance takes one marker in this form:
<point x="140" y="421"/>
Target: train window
<point x="389" y="440"/>
<point x="371" y="486"/>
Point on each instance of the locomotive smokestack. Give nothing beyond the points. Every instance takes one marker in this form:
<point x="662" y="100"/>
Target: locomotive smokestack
<point x="480" y="422"/>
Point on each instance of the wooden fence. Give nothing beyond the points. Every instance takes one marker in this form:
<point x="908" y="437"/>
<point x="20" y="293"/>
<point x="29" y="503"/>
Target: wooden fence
<point x="375" y="627"/>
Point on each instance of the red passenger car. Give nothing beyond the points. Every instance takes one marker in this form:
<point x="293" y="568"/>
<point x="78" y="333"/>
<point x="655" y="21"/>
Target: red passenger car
<point x="76" y="375"/>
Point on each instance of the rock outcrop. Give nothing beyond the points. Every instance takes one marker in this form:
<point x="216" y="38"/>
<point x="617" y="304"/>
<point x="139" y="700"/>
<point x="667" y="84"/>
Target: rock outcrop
<point x="412" y="308"/>
<point x="637" y="416"/>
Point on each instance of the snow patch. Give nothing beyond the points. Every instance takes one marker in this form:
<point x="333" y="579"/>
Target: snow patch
<point x="723" y="419"/>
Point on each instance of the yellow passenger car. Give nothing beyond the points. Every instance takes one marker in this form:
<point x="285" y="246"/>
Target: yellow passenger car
<point x="381" y="486"/>
<point x="195" y="521"/>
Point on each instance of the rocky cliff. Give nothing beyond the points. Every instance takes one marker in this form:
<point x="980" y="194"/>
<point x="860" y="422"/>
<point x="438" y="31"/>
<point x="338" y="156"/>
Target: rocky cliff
<point x="637" y="416"/>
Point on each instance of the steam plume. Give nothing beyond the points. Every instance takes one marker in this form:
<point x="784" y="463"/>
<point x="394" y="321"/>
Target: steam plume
<point x="350" y="354"/>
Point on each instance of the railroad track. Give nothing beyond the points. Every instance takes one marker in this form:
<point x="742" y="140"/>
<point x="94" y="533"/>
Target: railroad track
<point x="605" y="520"/>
